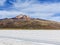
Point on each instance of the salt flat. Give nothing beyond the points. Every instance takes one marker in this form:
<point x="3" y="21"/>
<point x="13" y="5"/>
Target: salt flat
<point x="30" y="37"/>
<point x="7" y="41"/>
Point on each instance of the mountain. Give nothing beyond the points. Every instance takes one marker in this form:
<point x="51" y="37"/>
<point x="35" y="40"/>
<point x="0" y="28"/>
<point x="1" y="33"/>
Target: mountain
<point x="25" y="22"/>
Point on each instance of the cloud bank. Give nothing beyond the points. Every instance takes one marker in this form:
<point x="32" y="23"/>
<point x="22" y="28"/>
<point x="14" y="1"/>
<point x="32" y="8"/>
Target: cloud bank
<point x="2" y="2"/>
<point x="33" y="8"/>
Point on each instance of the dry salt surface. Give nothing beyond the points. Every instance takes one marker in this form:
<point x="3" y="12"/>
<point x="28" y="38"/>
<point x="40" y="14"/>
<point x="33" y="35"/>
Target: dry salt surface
<point x="29" y="37"/>
<point x="5" y="41"/>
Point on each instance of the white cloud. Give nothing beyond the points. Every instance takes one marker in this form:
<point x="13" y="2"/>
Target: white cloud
<point x="2" y="2"/>
<point x="32" y="8"/>
<point x="19" y="4"/>
<point x="55" y="18"/>
<point x="9" y="14"/>
<point x="45" y="11"/>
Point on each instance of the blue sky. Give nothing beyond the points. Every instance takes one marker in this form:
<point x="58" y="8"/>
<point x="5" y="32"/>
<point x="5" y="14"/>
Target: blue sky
<point x="45" y="9"/>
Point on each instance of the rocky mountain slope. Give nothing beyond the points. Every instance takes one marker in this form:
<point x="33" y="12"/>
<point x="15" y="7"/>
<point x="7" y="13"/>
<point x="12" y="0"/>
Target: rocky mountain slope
<point x="25" y="22"/>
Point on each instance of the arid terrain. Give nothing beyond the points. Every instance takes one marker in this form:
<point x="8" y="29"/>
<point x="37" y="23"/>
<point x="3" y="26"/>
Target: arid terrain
<point x="25" y="22"/>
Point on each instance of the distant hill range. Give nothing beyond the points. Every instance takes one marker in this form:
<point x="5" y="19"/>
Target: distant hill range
<point x="25" y="22"/>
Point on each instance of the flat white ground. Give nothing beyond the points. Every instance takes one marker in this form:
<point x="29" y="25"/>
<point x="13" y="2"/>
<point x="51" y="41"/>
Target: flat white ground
<point x="29" y="37"/>
<point x="5" y="41"/>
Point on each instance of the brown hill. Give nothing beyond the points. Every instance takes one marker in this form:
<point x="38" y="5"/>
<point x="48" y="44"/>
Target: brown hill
<point x="25" y="22"/>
